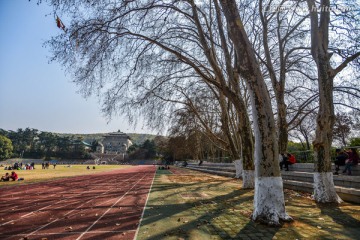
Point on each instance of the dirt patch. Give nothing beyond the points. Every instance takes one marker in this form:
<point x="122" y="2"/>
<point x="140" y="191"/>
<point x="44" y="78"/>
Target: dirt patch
<point x="193" y="178"/>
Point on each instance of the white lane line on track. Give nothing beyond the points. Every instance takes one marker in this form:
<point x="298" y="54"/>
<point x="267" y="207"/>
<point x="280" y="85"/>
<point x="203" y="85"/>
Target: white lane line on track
<point x="88" y="229"/>
<point x="143" y="212"/>
<point x="48" y="206"/>
<point x="55" y="220"/>
<point x="31" y="203"/>
<point x="38" y="210"/>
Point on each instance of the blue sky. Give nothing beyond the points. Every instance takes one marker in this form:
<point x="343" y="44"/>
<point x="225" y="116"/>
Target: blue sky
<point x="38" y="94"/>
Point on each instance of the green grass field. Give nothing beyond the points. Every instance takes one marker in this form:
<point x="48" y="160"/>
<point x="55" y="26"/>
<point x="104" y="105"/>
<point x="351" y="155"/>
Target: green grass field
<point x="61" y="171"/>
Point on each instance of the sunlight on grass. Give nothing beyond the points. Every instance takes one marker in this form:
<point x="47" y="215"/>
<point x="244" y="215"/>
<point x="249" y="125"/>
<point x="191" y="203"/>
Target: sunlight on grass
<point x="61" y="171"/>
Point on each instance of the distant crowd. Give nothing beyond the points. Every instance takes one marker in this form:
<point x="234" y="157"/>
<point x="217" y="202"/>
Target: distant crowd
<point x="20" y="166"/>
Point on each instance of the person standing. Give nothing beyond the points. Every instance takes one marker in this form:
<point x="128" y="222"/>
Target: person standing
<point x="283" y="161"/>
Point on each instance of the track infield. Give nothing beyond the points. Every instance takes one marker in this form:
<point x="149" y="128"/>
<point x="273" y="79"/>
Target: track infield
<point x="101" y="206"/>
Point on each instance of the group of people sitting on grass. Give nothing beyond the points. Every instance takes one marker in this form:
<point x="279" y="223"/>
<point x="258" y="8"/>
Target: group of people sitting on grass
<point x="7" y="177"/>
<point x="348" y="159"/>
<point x="21" y="166"/>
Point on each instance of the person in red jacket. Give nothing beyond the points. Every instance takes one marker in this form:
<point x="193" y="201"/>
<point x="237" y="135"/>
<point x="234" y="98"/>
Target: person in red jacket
<point x="291" y="158"/>
<point x="14" y="176"/>
<point x="287" y="160"/>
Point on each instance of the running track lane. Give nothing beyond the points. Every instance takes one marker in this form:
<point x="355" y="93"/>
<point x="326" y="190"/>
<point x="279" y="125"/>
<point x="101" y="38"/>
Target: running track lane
<point x="100" y="206"/>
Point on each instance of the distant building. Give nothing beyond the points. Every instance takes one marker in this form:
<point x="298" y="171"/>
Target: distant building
<point x="100" y="148"/>
<point x="115" y="143"/>
<point x="81" y="144"/>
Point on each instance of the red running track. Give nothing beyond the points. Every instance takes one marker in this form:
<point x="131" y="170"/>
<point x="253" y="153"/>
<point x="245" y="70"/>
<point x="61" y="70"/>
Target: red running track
<point x="100" y="206"/>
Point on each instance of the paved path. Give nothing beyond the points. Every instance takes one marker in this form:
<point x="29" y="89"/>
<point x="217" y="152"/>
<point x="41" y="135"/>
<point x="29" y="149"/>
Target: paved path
<point x="101" y="206"/>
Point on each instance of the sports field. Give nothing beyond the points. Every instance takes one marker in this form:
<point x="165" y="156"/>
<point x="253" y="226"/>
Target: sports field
<point x="60" y="171"/>
<point x="106" y="204"/>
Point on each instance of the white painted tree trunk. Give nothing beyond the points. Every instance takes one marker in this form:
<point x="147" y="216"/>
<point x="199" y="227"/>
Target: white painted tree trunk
<point x="238" y="168"/>
<point x="324" y="189"/>
<point x="269" y="201"/>
<point x="248" y="177"/>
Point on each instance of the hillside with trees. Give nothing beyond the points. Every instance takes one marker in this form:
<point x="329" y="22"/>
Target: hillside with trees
<point x="33" y="143"/>
<point x="136" y="138"/>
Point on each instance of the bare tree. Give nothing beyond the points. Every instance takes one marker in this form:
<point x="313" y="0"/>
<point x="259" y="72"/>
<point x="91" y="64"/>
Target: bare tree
<point x="305" y="131"/>
<point x="285" y="54"/>
<point x="342" y="128"/>
<point x="324" y="190"/>
<point x="181" y="39"/>
<point x="269" y="205"/>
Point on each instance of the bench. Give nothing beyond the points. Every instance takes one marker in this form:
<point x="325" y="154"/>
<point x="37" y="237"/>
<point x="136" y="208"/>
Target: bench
<point x="300" y="178"/>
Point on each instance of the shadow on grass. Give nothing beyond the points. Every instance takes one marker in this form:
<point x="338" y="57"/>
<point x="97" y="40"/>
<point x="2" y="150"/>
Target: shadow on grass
<point x="350" y="225"/>
<point x="202" y="221"/>
<point x="210" y="223"/>
<point x="206" y="213"/>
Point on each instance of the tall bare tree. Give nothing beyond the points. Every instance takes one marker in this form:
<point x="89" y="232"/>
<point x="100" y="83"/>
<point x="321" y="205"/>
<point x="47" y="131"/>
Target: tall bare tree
<point x="320" y="13"/>
<point x="269" y="204"/>
<point x="284" y="53"/>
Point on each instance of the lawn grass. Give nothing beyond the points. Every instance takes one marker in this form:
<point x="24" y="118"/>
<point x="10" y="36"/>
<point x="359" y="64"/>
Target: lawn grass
<point x="199" y="206"/>
<point x="61" y="171"/>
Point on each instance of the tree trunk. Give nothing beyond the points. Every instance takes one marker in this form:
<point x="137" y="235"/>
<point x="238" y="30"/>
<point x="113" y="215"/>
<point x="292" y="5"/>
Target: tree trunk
<point x="225" y="126"/>
<point x="247" y="151"/>
<point x="269" y="204"/>
<point x="282" y="125"/>
<point x="324" y="189"/>
<point x="278" y="83"/>
<point x="236" y="99"/>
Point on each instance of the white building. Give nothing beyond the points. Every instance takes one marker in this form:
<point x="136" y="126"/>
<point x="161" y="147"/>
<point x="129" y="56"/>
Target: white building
<point x="115" y="143"/>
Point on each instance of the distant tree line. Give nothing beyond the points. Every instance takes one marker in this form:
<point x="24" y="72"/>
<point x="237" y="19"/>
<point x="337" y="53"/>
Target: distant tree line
<point x="177" y="147"/>
<point x="32" y="143"/>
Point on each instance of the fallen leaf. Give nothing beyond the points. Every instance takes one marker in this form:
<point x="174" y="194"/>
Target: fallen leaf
<point x="68" y="228"/>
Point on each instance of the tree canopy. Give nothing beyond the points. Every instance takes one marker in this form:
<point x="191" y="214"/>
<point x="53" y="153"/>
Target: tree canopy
<point x="6" y="147"/>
